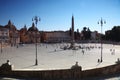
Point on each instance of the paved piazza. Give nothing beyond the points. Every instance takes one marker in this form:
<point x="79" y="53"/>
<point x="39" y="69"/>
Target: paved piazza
<point x="50" y="56"/>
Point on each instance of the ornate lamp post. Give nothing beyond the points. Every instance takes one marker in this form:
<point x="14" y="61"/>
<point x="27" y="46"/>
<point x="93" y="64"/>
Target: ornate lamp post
<point x="2" y="38"/>
<point x="101" y="22"/>
<point x="36" y="19"/>
<point x="1" y="46"/>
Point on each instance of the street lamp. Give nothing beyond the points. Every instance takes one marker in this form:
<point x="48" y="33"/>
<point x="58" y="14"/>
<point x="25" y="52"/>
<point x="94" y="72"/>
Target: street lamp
<point x="36" y="19"/>
<point x="2" y="38"/>
<point x="1" y="46"/>
<point x="101" y="22"/>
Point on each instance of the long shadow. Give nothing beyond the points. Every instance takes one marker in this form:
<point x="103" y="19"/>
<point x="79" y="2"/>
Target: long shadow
<point x="56" y="51"/>
<point x="28" y="66"/>
<point x="98" y="64"/>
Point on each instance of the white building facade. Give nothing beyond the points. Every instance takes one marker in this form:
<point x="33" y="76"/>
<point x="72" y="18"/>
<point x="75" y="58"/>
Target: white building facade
<point x="57" y="36"/>
<point x="4" y="35"/>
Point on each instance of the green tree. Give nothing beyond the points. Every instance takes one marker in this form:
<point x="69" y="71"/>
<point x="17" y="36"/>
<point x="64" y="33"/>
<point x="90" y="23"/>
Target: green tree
<point x="86" y="33"/>
<point x="114" y="34"/>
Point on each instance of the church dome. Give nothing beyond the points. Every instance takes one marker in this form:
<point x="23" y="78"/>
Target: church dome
<point x="24" y="28"/>
<point x="33" y="28"/>
<point x="10" y="26"/>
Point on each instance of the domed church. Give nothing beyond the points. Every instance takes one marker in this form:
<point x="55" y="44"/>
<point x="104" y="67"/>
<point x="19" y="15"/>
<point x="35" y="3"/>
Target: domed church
<point x="34" y="34"/>
<point x="31" y="35"/>
<point x="13" y="34"/>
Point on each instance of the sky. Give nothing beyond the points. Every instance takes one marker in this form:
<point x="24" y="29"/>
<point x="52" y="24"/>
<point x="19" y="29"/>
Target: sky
<point x="57" y="14"/>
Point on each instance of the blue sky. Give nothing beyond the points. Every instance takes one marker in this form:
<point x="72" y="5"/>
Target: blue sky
<point x="57" y="14"/>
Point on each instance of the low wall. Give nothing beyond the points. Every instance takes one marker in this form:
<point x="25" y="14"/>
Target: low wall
<point x="112" y="69"/>
<point x="64" y="74"/>
<point x="68" y="74"/>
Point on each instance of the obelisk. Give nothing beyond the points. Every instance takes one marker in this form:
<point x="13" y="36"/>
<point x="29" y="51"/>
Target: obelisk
<point x="72" y="42"/>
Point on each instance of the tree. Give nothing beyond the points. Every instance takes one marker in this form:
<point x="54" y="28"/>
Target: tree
<point x="77" y="35"/>
<point x="86" y="33"/>
<point x="114" y="34"/>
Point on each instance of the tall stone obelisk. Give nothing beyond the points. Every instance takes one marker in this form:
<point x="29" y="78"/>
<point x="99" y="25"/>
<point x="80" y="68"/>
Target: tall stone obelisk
<point x="73" y="40"/>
